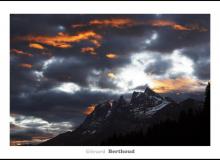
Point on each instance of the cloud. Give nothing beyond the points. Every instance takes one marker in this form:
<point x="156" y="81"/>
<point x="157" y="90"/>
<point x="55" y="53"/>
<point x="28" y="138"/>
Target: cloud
<point x="26" y="65"/>
<point x="202" y="69"/>
<point x="111" y="55"/>
<point x="90" y="50"/>
<point x="112" y="75"/>
<point x="197" y="52"/>
<point x="68" y="88"/>
<point x="26" y="130"/>
<point x="200" y="54"/>
<point x="175" y="26"/>
<point x="185" y="84"/>
<point x="58" y="106"/>
<point x="59" y="70"/>
<point x="20" y="52"/>
<point x="36" y="46"/>
<point x="159" y="67"/>
<point x="128" y="22"/>
<point x="60" y="40"/>
<point x="118" y="23"/>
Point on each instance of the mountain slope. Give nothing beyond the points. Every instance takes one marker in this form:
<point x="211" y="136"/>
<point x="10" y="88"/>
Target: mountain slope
<point x="120" y="117"/>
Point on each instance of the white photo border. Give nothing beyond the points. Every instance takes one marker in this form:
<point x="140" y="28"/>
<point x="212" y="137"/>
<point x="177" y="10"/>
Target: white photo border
<point x="108" y="7"/>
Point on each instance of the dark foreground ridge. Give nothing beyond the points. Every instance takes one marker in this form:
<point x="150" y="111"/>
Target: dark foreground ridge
<point x="148" y="119"/>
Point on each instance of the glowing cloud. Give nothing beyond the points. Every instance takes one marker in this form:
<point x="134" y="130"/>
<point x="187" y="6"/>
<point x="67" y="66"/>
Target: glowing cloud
<point x="61" y="40"/>
<point x="90" y="50"/>
<point x="89" y="109"/>
<point x="36" y="46"/>
<point x="78" y="25"/>
<point x="68" y="87"/>
<point x="167" y="23"/>
<point x="26" y="65"/>
<point x="111" y="56"/>
<point x="111" y="75"/>
<point x="126" y="22"/>
<point x="20" y="52"/>
<point x="179" y="84"/>
<point x="120" y="22"/>
<point x="176" y="26"/>
<point x="95" y="42"/>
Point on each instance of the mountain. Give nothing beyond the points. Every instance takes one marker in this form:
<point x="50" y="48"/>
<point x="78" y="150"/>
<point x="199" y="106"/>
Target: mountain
<point x="144" y="110"/>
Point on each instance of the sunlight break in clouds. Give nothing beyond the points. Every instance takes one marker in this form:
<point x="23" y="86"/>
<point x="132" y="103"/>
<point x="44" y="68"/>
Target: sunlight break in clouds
<point x="185" y="84"/>
<point x="134" y="74"/>
<point x="68" y="87"/>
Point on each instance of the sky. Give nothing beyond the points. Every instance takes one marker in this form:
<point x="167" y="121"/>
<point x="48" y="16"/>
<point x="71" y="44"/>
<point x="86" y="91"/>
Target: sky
<point x="62" y="65"/>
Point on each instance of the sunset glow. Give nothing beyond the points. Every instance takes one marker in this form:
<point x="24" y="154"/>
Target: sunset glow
<point x="61" y="40"/>
<point x="26" y="65"/>
<point x="36" y="45"/>
<point x="180" y="84"/>
<point x="111" y="56"/>
<point x="89" y="109"/>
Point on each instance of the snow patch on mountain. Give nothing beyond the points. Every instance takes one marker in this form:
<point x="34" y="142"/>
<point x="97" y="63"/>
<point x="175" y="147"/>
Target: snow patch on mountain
<point x="153" y="110"/>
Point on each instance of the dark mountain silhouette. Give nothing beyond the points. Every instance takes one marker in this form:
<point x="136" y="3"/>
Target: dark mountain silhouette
<point x="148" y="119"/>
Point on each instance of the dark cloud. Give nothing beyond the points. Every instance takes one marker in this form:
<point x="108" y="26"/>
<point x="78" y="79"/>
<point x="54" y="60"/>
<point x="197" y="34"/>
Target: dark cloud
<point x="197" y="52"/>
<point x="64" y="106"/>
<point x="106" y="82"/>
<point x="202" y="69"/>
<point x="200" y="54"/>
<point x="169" y="40"/>
<point x="159" y="67"/>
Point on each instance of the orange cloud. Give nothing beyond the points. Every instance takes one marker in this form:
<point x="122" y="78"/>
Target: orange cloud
<point x="95" y="42"/>
<point x="61" y="33"/>
<point x="120" y="22"/>
<point x="26" y="65"/>
<point x="114" y="22"/>
<point x="126" y="22"/>
<point x="111" y="75"/>
<point x="36" y="46"/>
<point x="20" y="52"/>
<point x="175" y="26"/>
<point x="61" y="40"/>
<point x="179" y="84"/>
<point x="63" y="45"/>
<point x="167" y="23"/>
<point x="89" y="109"/>
<point x="111" y="56"/>
<point x="78" y="25"/>
<point x="90" y="50"/>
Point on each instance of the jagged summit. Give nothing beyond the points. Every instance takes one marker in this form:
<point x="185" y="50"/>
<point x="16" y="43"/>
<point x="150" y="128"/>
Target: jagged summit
<point x="147" y="90"/>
